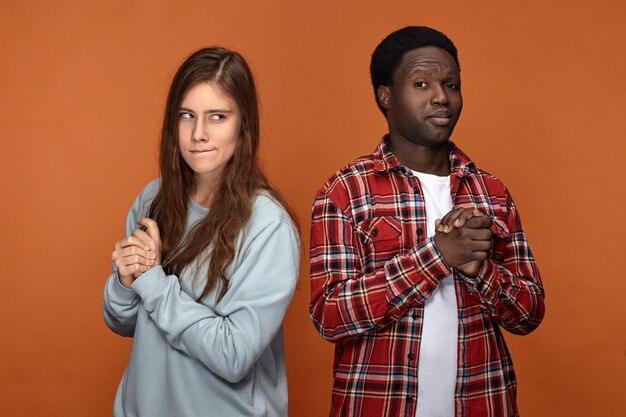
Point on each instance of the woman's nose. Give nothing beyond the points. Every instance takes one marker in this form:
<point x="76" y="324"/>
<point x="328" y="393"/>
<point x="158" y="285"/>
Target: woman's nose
<point x="199" y="133"/>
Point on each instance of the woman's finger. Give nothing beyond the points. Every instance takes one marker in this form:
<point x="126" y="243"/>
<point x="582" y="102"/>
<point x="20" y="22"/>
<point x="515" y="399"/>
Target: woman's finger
<point x="129" y="273"/>
<point x="131" y="241"/>
<point x="144" y="237"/>
<point x="152" y="229"/>
<point x="140" y="259"/>
<point x="133" y="250"/>
<point x="130" y="256"/>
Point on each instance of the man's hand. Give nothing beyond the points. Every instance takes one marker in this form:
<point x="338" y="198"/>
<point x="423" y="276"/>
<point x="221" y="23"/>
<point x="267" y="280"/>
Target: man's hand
<point x="456" y="218"/>
<point x="464" y="239"/>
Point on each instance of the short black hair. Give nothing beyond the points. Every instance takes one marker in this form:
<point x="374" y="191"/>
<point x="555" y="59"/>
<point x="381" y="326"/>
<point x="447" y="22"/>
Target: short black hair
<point x="389" y="52"/>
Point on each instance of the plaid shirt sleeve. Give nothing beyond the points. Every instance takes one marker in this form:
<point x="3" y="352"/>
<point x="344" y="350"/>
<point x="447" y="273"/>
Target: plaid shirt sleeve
<point x="510" y="291"/>
<point x="346" y="301"/>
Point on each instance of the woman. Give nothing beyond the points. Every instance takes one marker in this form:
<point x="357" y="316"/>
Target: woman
<point x="209" y="262"/>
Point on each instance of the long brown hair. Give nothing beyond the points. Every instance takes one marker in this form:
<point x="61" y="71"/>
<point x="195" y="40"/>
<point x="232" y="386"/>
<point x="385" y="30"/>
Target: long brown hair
<point x="241" y="178"/>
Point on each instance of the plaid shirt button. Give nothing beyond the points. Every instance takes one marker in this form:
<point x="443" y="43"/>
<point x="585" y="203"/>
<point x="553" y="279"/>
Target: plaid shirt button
<point x="411" y="356"/>
<point x="409" y="399"/>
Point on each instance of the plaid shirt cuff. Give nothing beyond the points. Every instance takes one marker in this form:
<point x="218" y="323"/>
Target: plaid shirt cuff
<point x="419" y="270"/>
<point x="485" y="282"/>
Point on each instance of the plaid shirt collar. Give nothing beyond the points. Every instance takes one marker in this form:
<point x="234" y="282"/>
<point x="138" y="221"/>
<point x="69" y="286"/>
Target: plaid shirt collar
<point x="386" y="161"/>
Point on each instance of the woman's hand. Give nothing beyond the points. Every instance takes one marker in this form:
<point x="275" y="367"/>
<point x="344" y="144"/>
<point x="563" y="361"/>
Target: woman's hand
<point x="137" y="253"/>
<point x="148" y="232"/>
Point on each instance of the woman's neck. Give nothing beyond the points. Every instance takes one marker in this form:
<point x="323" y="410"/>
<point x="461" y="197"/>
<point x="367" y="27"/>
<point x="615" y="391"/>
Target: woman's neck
<point x="203" y="191"/>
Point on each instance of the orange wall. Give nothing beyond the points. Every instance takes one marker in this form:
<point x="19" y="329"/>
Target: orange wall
<point x="81" y="96"/>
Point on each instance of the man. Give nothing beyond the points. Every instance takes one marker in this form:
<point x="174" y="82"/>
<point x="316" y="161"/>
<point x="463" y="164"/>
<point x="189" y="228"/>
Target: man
<point x="418" y="257"/>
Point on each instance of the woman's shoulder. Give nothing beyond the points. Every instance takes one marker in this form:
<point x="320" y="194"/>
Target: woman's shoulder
<point x="268" y="218"/>
<point x="266" y="210"/>
<point x="151" y="189"/>
<point x="146" y="195"/>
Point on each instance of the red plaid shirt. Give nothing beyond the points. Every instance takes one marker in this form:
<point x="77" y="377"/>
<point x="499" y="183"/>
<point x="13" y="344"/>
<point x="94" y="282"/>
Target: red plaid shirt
<point x="372" y="268"/>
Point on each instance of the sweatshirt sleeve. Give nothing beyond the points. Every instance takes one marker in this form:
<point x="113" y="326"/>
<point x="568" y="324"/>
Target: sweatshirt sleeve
<point x="230" y="338"/>
<point x="120" y="304"/>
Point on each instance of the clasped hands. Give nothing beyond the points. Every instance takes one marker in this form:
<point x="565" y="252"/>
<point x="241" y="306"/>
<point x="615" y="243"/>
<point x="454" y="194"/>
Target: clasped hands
<point x="463" y="236"/>
<point x="137" y="253"/>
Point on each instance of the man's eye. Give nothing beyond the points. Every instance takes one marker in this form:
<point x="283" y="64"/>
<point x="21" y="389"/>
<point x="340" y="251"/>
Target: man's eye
<point x="419" y="84"/>
<point x="185" y="115"/>
<point x="452" y="86"/>
<point x="216" y="117"/>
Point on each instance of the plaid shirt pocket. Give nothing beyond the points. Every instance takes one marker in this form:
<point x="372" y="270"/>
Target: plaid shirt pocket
<point x="379" y="229"/>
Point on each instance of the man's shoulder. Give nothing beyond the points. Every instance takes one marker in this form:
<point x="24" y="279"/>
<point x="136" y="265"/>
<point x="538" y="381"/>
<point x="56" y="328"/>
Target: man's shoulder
<point x="490" y="181"/>
<point x="350" y="174"/>
<point x="473" y="173"/>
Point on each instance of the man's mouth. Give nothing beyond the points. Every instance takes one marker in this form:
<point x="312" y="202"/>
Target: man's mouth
<point x="440" y="118"/>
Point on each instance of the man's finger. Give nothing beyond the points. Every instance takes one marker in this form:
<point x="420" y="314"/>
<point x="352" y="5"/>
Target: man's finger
<point x="478" y="213"/>
<point x="478" y="222"/>
<point x="452" y="214"/>
<point x="463" y="217"/>
<point x="480" y="255"/>
<point x="481" y="234"/>
<point x="481" y="245"/>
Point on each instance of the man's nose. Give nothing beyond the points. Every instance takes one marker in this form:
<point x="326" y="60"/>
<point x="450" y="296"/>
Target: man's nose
<point x="440" y="95"/>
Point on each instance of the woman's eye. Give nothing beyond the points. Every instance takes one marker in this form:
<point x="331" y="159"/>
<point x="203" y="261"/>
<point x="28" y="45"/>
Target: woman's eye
<point x="216" y="117"/>
<point x="186" y="115"/>
<point x="419" y="84"/>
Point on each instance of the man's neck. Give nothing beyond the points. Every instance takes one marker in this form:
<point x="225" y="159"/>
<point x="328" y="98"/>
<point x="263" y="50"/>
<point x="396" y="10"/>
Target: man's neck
<point x="427" y="159"/>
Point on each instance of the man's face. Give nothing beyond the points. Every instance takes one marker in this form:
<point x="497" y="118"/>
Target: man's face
<point x="424" y="101"/>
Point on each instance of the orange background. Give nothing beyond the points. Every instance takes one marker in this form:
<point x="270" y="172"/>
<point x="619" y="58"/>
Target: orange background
<point x="82" y="90"/>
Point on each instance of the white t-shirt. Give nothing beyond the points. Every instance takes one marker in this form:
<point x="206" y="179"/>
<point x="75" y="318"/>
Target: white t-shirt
<point x="437" y="366"/>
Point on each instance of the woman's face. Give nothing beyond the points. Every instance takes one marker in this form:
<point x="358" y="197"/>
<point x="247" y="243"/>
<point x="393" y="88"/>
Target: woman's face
<point x="209" y="124"/>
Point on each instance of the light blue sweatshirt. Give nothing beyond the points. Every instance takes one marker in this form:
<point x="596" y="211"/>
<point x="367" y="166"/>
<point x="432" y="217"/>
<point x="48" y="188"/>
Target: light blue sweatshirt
<point x="208" y="359"/>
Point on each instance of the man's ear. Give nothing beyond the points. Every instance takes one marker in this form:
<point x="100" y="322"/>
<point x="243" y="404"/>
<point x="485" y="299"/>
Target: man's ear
<point x="383" y="92"/>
